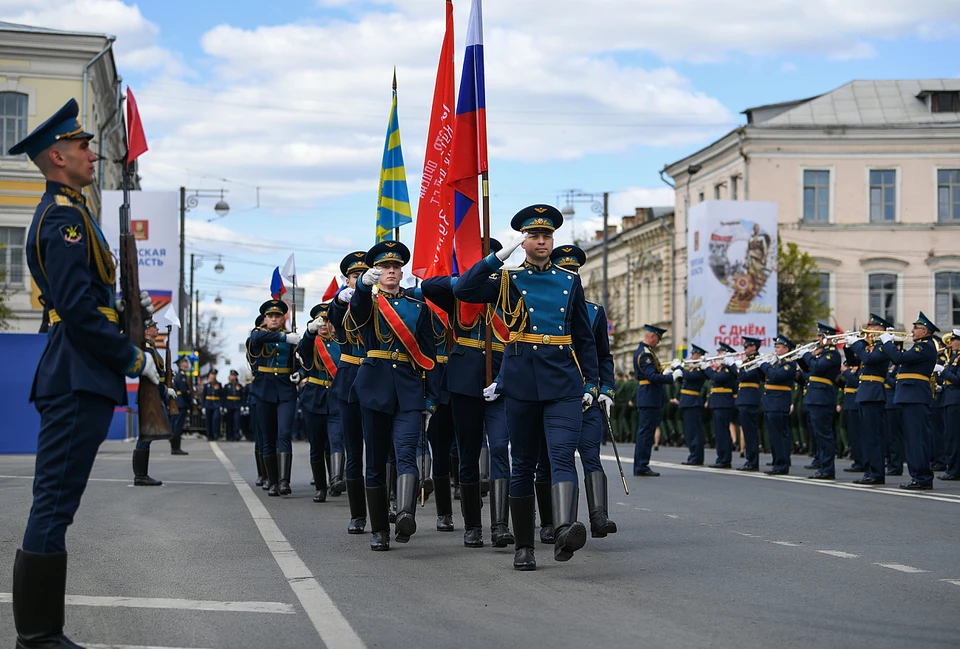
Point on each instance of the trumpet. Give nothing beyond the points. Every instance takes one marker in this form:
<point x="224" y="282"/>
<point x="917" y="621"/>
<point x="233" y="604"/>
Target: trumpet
<point x="790" y="355"/>
<point x="709" y="359"/>
<point x="872" y="334"/>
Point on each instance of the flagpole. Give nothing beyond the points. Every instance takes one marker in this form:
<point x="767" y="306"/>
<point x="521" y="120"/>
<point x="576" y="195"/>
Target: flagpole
<point x="294" y="303"/>
<point x="487" y="334"/>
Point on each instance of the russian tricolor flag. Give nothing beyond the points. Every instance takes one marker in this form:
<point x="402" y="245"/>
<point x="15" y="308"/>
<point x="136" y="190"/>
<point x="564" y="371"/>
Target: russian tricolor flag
<point x="277" y="289"/>
<point x="469" y="149"/>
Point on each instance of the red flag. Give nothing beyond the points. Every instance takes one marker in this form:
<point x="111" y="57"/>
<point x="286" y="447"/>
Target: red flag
<point x="434" y="239"/>
<point x="331" y="289"/>
<point x="136" y="140"/>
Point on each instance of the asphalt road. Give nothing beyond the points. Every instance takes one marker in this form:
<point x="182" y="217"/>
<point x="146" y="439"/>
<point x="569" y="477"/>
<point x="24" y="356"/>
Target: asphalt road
<point x="704" y="558"/>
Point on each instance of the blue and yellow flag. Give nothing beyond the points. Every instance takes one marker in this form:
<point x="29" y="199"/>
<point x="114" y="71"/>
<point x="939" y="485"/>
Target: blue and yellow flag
<point x="393" y="204"/>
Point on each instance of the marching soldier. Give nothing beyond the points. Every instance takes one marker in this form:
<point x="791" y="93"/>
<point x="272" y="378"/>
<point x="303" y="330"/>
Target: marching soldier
<point x="651" y="379"/>
<point x="232" y="396"/>
<point x="141" y="453"/>
<point x="543" y="388"/>
<point x="748" y="405"/>
<point x="352" y="353"/>
<point x="254" y="364"/>
<point x="937" y="413"/>
<point x="723" y="377"/>
<point x="318" y="358"/>
<point x="592" y="430"/>
<point x="850" y="381"/>
<point x="821" y="399"/>
<point x="275" y="389"/>
<point x="395" y="400"/>
<point x="79" y="380"/>
<point x="691" y="405"/>
<point x="951" y="405"/>
<point x="212" y="395"/>
<point x="894" y="418"/>
<point x="914" y="396"/>
<point x="871" y="400"/>
<point x="779" y="378"/>
<point x="183" y="387"/>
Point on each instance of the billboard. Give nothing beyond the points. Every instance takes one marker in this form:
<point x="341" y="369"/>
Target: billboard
<point x="732" y="273"/>
<point x="154" y="221"/>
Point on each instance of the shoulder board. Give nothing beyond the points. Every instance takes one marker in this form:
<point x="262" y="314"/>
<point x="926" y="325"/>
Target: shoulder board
<point x="62" y="200"/>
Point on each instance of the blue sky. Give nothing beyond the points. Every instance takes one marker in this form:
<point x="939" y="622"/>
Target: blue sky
<point x="293" y="97"/>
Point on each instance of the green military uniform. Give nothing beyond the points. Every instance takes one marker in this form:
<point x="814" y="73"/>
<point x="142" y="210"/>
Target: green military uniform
<point x="629" y="416"/>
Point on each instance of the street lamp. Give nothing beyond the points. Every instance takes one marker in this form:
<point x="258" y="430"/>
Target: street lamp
<point x="187" y="203"/>
<point x="196" y="261"/>
<point x="600" y="207"/>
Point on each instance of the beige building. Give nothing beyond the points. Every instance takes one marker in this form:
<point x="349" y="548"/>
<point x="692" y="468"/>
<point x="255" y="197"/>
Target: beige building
<point x="40" y="70"/>
<point x="867" y="179"/>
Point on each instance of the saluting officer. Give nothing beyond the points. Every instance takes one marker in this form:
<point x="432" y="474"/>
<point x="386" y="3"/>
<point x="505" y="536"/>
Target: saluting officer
<point x="79" y="380"/>
<point x="184" y="391"/>
<point x="212" y="395"/>
<point x="275" y="388"/>
<point x="352" y="353"/>
<point x="593" y="428"/>
<point x="914" y="395"/>
<point x="748" y="405"/>
<point x="232" y="396"/>
<point x="951" y="405"/>
<point x="141" y="453"/>
<point x="549" y="373"/>
<point x="691" y="404"/>
<point x="651" y="378"/>
<point x="820" y="400"/>
<point x="871" y="400"/>
<point x="723" y="377"/>
<point x="779" y="379"/>
<point x="396" y="400"/>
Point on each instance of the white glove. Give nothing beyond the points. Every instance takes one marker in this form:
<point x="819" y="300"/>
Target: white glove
<point x="344" y="296"/>
<point x="729" y="361"/>
<point x="490" y="392"/>
<point x="203" y="411"/>
<point x="677" y="374"/>
<point x="676" y="363"/>
<point x="667" y="371"/>
<point x="427" y="416"/>
<point x="504" y="253"/>
<point x="292" y="338"/>
<point x="371" y="277"/>
<point x="938" y="368"/>
<point x="849" y="340"/>
<point x="150" y="370"/>
<point x="885" y="338"/>
<point x="314" y="325"/>
<point x="702" y="365"/>
<point x="606" y="403"/>
<point x="295" y="377"/>
<point x="223" y="411"/>
<point x="587" y="400"/>
<point x="146" y="303"/>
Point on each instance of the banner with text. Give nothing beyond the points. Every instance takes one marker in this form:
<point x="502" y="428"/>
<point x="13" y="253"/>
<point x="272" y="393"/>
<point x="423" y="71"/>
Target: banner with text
<point x="732" y="273"/>
<point x="154" y="222"/>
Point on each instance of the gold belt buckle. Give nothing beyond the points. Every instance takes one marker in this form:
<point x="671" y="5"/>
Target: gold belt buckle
<point x="546" y="339"/>
<point x="394" y="355"/>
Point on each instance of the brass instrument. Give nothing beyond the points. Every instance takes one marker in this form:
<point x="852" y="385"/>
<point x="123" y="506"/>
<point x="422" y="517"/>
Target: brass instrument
<point x="710" y="359"/>
<point x="872" y="335"/>
<point x="789" y="356"/>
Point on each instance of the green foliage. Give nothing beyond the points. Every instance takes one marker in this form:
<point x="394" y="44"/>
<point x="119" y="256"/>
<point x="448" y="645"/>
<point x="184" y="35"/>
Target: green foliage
<point x="798" y="294"/>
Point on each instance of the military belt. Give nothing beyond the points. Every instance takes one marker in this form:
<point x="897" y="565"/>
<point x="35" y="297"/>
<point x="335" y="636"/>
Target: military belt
<point x="545" y="339"/>
<point x="849" y="390"/>
<point x="782" y="388"/>
<point x="871" y="377"/>
<point x="388" y="355"/>
<point x="692" y="393"/>
<point x="644" y="382"/>
<point x="917" y="377"/>
<point x="442" y="359"/>
<point x="722" y="390"/>
<point x="750" y="385"/>
<point x="315" y="381"/>
<point x="479" y="344"/>
<point x="212" y="398"/>
<point x="274" y="370"/>
<point x="111" y="314"/>
<point x="820" y="379"/>
<point x="353" y="360"/>
<point x="233" y="398"/>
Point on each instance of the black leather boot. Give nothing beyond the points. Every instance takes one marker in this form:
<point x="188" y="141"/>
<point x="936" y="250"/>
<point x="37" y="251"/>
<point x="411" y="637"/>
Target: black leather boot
<point x="175" y="446"/>
<point x="392" y="490"/>
<point x="39" y="591"/>
<point x="484" y="472"/>
<point x="358" y="506"/>
<point x="596" y="486"/>
<point x="544" y="504"/>
<point x="407" y="492"/>
<point x="319" y="470"/>
<point x="444" y="503"/>
<point x="337" y="485"/>
<point x="472" y="521"/>
<point x="272" y="468"/>
<point x="427" y="479"/>
<point x="500" y="513"/>
<point x="286" y="464"/>
<point x="455" y="476"/>
<point x="523" y="513"/>
<point x="571" y="534"/>
<point x="261" y="473"/>
<point x="141" y="461"/>
<point x="379" y="526"/>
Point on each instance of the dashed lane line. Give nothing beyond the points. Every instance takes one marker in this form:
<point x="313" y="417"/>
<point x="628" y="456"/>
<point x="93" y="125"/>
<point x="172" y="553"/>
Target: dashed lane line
<point x="955" y="582"/>
<point x="839" y="554"/>
<point x="787" y="544"/>
<point x="170" y="603"/>
<point x="127" y="646"/>
<point x="334" y="629"/>
<point x="899" y="567"/>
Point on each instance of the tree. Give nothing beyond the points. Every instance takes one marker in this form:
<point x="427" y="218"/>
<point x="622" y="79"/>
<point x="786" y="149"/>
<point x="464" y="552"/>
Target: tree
<point x="210" y="339"/>
<point x="6" y="313"/>
<point x="799" y="298"/>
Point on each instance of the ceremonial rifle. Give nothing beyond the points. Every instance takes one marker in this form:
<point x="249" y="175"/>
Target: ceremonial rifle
<point x="172" y="407"/>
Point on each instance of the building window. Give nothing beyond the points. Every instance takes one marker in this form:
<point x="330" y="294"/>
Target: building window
<point x="816" y="196"/>
<point x="945" y="102"/>
<point x="716" y="190"/>
<point x="700" y="197"/>
<point x="11" y="255"/>
<point x="734" y="187"/>
<point x="948" y="300"/>
<point x="13" y="119"/>
<point x="883" y="195"/>
<point x="948" y="195"/>
<point x="883" y="295"/>
<point x="824" y="291"/>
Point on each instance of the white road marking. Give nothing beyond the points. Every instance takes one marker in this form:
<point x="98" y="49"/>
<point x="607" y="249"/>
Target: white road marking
<point x="624" y="504"/>
<point x="838" y="554"/>
<point x="946" y="498"/>
<point x="955" y="582"/>
<point x="748" y="535"/>
<point x="788" y="544"/>
<point x="124" y="480"/>
<point x="899" y="567"/>
<point x="126" y="646"/>
<point x="671" y="516"/>
<point x="167" y="603"/>
<point x="334" y="629"/>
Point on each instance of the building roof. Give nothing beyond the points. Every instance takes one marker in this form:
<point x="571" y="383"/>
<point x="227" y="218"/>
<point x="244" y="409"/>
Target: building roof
<point x="30" y="29"/>
<point x="860" y="103"/>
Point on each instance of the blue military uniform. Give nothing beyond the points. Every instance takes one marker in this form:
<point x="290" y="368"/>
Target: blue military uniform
<point x="848" y="381"/>
<point x="549" y="364"/>
<point x="937" y="412"/>
<point x="894" y="418"/>
<point x="232" y="401"/>
<point x="79" y="379"/>
<point x="820" y="402"/>
<point x="251" y="401"/>
<point x="871" y="400"/>
<point x="650" y="382"/>
<point x="211" y="399"/>
<point x="183" y="388"/>
<point x="951" y="412"/>
<point x="779" y="379"/>
<point x="691" y="408"/>
<point x="721" y="404"/>
<point x="274" y="387"/>
<point x="914" y="395"/>
<point x="748" y="407"/>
